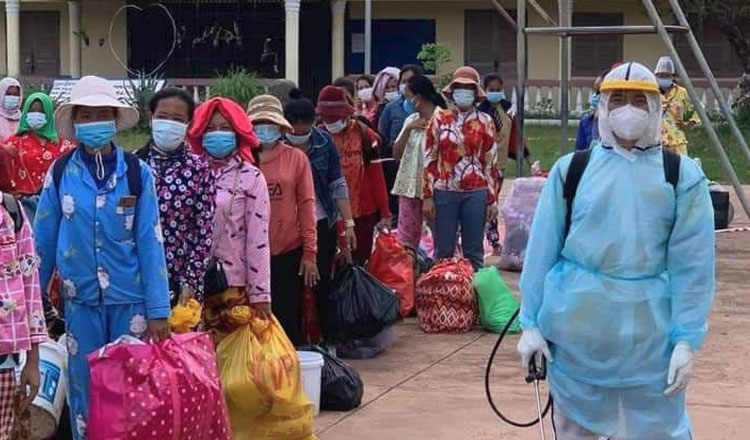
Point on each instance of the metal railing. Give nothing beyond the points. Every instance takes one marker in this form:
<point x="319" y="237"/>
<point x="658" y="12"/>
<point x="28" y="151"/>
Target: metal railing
<point x="565" y="30"/>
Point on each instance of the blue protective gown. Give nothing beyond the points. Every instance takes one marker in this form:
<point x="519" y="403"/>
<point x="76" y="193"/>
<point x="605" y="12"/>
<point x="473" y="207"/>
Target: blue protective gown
<point x="634" y="277"/>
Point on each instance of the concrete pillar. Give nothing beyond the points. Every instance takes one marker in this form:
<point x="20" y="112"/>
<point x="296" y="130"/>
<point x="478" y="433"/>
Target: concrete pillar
<point x="74" y="28"/>
<point x="13" y="36"/>
<point x="338" y="8"/>
<point x="292" y="8"/>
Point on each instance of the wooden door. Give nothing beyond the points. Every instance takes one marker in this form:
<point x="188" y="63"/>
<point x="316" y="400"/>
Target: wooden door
<point x="40" y="43"/>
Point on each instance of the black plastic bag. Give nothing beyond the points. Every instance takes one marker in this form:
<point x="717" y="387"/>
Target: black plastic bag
<point x="341" y="387"/>
<point x="361" y="306"/>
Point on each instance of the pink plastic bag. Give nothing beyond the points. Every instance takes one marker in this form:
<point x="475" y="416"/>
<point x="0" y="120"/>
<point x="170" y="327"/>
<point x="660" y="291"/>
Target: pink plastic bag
<point x="168" y="391"/>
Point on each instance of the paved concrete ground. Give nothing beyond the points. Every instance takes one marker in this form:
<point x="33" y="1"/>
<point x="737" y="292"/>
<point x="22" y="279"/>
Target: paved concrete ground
<point x="431" y="386"/>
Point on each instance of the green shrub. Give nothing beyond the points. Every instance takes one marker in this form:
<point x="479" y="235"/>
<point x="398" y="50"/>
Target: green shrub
<point x="238" y="84"/>
<point x="434" y="57"/>
<point x="139" y="93"/>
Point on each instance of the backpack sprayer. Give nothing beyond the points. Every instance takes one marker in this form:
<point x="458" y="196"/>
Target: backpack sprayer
<point x="536" y="374"/>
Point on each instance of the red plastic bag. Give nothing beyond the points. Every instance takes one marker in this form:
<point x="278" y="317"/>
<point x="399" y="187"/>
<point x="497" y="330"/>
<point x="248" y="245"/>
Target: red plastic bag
<point x="311" y="333"/>
<point x="394" y="267"/>
<point x="169" y="390"/>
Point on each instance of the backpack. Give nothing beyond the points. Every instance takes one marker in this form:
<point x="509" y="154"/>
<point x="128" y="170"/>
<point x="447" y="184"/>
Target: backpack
<point x="578" y="165"/>
<point x="133" y="173"/>
<point x="11" y="205"/>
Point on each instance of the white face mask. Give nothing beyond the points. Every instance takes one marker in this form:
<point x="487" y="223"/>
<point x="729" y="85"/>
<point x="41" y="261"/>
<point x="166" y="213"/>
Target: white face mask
<point x="628" y="122"/>
<point x="391" y="96"/>
<point x="336" y="127"/>
<point x="365" y="95"/>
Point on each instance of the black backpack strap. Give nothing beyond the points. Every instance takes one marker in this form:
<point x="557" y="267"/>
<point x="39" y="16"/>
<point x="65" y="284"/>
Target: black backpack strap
<point x="578" y="165"/>
<point x="58" y="168"/>
<point x="135" y="185"/>
<point x="671" y="167"/>
<point x="11" y="205"/>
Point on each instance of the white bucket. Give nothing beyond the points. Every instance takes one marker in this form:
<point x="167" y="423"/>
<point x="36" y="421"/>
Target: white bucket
<point x="311" y="364"/>
<point x="49" y="402"/>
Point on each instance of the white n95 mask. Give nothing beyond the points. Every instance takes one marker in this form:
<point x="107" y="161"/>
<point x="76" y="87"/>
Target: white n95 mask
<point x="629" y="122"/>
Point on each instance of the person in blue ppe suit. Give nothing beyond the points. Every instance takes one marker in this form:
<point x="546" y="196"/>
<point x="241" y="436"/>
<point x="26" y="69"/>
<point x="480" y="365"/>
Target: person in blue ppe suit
<point x="620" y="306"/>
<point x="588" y="129"/>
<point x="105" y="242"/>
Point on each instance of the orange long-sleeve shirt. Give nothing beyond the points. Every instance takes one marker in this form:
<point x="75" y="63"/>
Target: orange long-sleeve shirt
<point x="292" y="195"/>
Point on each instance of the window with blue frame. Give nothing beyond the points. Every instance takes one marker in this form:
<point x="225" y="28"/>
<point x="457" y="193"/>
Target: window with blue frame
<point x="390" y="47"/>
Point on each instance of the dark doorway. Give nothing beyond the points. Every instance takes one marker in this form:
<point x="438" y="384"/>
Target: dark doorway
<point x="394" y="43"/>
<point x="40" y="43"/>
<point x="490" y="43"/>
<point x="315" y="47"/>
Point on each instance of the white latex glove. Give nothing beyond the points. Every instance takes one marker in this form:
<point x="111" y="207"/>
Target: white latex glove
<point x="680" y="368"/>
<point x="532" y="343"/>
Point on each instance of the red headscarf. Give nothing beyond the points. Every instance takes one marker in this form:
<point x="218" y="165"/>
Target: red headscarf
<point x="246" y="139"/>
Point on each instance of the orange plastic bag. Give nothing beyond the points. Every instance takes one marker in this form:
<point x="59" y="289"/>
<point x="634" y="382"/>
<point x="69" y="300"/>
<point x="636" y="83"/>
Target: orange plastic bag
<point x="392" y="265"/>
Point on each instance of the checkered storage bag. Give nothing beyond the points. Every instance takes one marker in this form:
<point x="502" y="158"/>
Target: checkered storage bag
<point x="445" y="298"/>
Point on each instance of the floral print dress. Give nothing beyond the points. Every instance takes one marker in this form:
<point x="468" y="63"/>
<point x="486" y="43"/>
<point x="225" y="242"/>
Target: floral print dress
<point x="186" y="191"/>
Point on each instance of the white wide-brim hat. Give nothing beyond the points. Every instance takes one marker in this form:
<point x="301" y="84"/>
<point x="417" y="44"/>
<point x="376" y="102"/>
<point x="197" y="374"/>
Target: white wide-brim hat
<point x="92" y="91"/>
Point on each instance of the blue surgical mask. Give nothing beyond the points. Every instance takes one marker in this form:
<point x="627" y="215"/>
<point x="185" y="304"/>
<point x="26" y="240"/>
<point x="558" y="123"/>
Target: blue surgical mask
<point x="301" y="139"/>
<point x="11" y="102"/>
<point x="36" y="120"/>
<point x="401" y="89"/>
<point x="665" y="83"/>
<point x="595" y="98"/>
<point x="220" y="144"/>
<point x="409" y="106"/>
<point x="495" y="97"/>
<point x="391" y="96"/>
<point x="267" y="134"/>
<point x="464" y="98"/>
<point x="96" y="135"/>
<point x="168" y="135"/>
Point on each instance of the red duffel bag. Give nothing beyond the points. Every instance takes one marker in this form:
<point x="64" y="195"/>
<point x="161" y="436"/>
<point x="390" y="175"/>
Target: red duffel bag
<point x="445" y="298"/>
<point x="392" y="265"/>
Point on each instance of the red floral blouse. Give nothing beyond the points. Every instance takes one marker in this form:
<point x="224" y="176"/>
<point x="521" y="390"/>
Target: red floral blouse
<point x="460" y="154"/>
<point x="25" y="159"/>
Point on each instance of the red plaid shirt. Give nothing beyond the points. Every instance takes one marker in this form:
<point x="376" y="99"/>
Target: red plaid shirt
<point x="21" y="313"/>
<point x="460" y="154"/>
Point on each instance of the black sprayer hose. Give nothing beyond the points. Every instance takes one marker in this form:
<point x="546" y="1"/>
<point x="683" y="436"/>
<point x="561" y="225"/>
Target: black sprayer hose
<point x="488" y="370"/>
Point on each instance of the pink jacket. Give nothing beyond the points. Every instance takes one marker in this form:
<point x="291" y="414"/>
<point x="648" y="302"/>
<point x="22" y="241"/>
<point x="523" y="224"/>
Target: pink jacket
<point x="21" y="314"/>
<point x="241" y="233"/>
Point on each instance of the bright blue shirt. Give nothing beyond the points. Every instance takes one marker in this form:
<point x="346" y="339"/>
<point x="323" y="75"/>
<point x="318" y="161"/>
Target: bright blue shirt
<point x="588" y="132"/>
<point x="106" y="253"/>
<point x="392" y="121"/>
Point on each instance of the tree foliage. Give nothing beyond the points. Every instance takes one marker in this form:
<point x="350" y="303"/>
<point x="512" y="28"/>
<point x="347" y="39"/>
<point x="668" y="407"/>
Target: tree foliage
<point x="732" y="16"/>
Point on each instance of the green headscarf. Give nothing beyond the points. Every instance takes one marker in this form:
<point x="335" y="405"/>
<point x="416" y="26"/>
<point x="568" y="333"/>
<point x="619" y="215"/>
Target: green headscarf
<point x="48" y="131"/>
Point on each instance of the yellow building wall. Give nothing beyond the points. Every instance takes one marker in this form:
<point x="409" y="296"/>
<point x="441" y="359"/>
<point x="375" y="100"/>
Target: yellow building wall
<point x="543" y="51"/>
<point x="95" y="19"/>
<point x="96" y="16"/>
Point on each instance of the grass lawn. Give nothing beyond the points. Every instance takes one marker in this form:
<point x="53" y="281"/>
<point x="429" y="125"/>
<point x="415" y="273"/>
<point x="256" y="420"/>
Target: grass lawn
<point x="544" y="143"/>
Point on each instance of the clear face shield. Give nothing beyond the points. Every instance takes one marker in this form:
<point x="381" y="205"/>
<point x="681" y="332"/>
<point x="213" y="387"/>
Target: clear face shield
<point x="630" y="108"/>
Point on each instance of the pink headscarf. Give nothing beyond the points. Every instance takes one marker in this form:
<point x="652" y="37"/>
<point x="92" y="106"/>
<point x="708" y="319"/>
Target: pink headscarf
<point x="381" y="81"/>
<point x="9" y="119"/>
